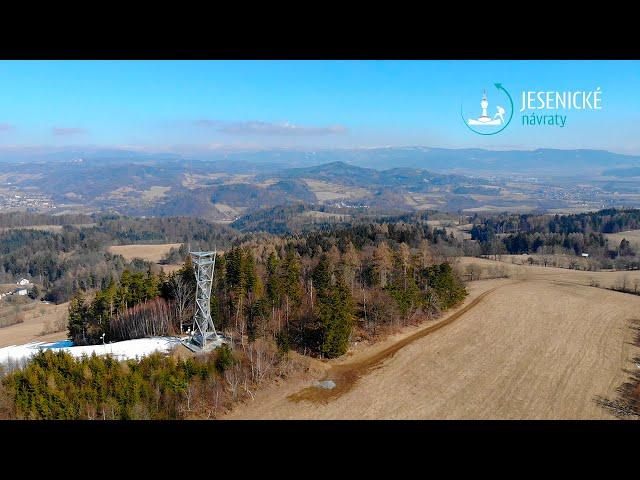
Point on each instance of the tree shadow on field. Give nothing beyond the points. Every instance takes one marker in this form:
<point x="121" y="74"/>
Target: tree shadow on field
<point x="627" y="404"/>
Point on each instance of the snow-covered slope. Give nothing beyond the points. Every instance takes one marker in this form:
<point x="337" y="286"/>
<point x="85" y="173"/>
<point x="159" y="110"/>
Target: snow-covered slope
<point x="128" y="349"/>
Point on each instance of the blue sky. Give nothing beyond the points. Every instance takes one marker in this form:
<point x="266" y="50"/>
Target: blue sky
<point x="189" y="106"/>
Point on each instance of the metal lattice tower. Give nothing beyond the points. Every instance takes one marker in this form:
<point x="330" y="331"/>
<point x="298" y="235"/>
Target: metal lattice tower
<point x="203" y="328"/>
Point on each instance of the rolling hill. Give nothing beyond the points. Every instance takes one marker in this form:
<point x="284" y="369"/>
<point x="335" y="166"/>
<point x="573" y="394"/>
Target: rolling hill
<point x="226" y="185"/>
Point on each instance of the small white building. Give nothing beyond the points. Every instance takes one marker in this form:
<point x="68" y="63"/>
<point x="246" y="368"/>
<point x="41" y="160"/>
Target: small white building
<point x="21" y="291"/>
<point x="585" y="255"/>
<point x="24" y="281"/>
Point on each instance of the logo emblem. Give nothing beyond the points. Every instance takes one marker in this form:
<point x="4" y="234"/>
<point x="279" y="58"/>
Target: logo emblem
<point x="491" y="120"/>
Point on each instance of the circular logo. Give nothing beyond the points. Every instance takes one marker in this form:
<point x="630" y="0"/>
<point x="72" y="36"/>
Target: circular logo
<point x="494" y="113"/>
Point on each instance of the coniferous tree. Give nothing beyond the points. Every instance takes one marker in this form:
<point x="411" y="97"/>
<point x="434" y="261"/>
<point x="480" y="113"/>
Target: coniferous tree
<point x="322" y="275"/>
<point x="34" y="293"/>
<point x="77" y="325"/>
<point x="274" y="281"/>
<point x="292" y="288"/>
<point x="335" y="313"/>
<point x="249" y="276"/>
<point x="151" y="286"/>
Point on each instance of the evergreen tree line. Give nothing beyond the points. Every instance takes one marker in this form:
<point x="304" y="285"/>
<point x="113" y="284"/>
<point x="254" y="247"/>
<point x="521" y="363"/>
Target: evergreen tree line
<point x="610" y="220"/>
<point x="55" y="385"/>
<point x="135" y="306"/>
<point x="567" y="234"/>
<point x="317" y="303"/>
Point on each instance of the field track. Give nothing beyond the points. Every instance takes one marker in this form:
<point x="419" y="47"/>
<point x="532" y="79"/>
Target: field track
<point x="345" y="375"/>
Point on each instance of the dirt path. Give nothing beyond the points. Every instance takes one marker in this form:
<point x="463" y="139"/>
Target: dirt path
<point x="544" y="346"/>
<point x="345" y="375"/>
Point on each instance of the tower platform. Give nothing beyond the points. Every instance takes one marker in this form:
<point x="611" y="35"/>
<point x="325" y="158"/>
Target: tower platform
<point x="212" y="342"/>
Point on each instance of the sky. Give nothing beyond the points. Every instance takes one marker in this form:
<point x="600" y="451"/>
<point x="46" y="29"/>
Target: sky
<point x="193" y="106"/>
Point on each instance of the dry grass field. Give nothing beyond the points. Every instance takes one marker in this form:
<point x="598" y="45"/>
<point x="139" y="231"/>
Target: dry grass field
<point x="557" y="260"/>
<point x="151" y="252"/>
<point x="325" y="191"/>
<point x="542" y="344"/>
<point x="44" y="323"/>
<point x="154" y="193"/>
<point x="633" y="236"/>
<point x="603" y="279"/>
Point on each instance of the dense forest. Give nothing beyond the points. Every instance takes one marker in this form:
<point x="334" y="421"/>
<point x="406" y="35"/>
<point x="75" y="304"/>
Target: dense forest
<point x="603" y="221"/>
<point x="300" y="217"/>
<point x="314" y="294"/>
<point x="307" y="293"/>
<point x="74" y="258"/>
<point x="57" y="386"/>
<point x="554" y="234"/>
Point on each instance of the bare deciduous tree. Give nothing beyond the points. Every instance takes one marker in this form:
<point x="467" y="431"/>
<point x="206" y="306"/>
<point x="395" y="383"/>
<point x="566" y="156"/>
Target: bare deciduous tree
<point x="473" y="270"/>
<point x="182" y="294"/>
<point x="152" y="318"/>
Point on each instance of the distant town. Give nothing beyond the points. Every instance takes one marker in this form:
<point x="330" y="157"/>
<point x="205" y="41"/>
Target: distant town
<point x="18" y="199"/>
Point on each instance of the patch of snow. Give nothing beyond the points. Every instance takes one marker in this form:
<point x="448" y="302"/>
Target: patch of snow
<point x="326" y="384"/>
<point x="128" y="349"/>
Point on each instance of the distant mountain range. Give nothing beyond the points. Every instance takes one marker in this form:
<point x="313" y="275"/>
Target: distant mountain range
<point x="479" y="161"/>
<point x="468" y="160"/>
<point x="381" y="179"/>
<point x="541" y="161"/>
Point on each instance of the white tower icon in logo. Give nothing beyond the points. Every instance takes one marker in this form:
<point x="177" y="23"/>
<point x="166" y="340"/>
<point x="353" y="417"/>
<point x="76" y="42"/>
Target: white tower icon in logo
<point x="484" y="119"/>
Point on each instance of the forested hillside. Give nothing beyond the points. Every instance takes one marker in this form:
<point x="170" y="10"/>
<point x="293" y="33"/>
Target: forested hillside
<point x="306" y="292"/>
<point x="553" y="234"/>
<point x="74" y="258"/>
<point x="315" y="294"/>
